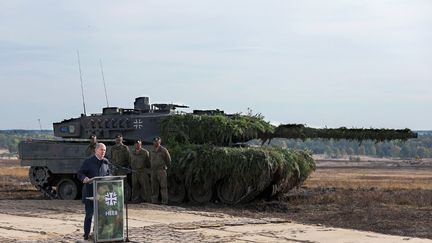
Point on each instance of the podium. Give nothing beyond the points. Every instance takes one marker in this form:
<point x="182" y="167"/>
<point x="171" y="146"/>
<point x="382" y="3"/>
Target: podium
<point x="108" y="201"/>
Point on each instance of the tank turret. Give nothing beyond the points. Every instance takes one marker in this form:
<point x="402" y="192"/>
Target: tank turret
<point x="142" y="104"/>
<point x="141" y="122"/>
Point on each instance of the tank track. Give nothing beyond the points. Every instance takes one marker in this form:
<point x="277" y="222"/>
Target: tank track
<point x="48" y="191"/>
<point x="39" y="177"/>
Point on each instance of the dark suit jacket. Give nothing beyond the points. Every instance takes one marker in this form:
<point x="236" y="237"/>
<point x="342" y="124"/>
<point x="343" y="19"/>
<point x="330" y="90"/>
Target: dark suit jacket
<point x="90" y="168"/>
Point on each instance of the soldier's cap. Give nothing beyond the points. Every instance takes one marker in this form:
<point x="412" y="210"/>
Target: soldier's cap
<point x="92" y="136"/>
<point x="157" y="138"/>
<point x="138" y="141"/>
<point x="118" y="136"/>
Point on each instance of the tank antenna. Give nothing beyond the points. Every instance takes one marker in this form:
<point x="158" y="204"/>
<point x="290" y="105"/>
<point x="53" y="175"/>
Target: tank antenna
<point x="82" y="89"/>
<point x="103" y="79"/>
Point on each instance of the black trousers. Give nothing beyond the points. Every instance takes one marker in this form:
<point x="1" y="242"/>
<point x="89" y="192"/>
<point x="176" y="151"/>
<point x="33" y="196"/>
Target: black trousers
<point x="88" y="215"/>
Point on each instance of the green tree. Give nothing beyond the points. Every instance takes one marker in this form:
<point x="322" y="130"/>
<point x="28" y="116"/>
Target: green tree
<point x="396" y="150"/>
<point x="405" y="152"/>
<point x="362" y="150"/>
<point x="372" y="151"/>
<point x="379" y="151"/>
<point x="350" y="151"/>
<point x="421" y="152"/>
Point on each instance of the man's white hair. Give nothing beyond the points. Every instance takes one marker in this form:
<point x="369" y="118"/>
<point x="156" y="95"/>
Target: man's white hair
<point x="99" y="145"/>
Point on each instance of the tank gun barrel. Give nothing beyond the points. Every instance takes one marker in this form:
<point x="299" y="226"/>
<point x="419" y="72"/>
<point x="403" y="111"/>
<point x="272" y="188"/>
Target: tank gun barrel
<point x="224" y="130"/>
<point x="302" y="132"/>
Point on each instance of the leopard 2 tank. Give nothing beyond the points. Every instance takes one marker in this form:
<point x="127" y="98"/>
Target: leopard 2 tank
<point x="211" y="161"/>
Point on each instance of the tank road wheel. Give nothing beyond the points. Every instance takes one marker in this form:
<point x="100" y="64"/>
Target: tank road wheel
<point x="39" y="176"/>
<point x="67" y="189"/>
<point x="200" y="192"/>
<point x="232" y="191"/>
<point x="176" y="189"/>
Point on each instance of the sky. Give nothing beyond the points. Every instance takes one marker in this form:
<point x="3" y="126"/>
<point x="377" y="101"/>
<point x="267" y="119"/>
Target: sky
<point x="319" y="63"/>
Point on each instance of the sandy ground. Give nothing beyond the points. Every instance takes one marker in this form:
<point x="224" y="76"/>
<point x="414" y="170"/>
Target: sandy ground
<point x="395" y="202"/>
<point x="61" y="221"/>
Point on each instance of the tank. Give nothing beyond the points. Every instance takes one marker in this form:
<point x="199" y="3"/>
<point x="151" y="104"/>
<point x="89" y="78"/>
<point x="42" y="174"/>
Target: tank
<point x="213" y="159"/>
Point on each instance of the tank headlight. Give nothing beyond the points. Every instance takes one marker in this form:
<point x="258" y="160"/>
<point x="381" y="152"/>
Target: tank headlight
<point x="67" y="129"/>
<point x="71" y="129"/>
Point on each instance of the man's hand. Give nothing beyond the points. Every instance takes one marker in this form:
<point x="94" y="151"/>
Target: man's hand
<point x="86" y="180"/>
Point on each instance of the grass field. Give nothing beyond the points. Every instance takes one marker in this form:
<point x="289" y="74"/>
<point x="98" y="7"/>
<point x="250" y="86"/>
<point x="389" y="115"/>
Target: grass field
<point x="392" y="200"/>
<point x="14" y="181"/>
<point x="379" y="178"/>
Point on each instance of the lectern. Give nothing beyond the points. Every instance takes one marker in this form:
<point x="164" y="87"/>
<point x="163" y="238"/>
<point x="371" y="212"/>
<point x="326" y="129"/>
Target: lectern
<point x="108" y="201"/>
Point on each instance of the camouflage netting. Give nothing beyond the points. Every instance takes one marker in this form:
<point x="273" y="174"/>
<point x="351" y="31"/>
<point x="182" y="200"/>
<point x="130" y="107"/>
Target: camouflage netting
<point x="224" y="130"/>
<point x="359" y="134"/>
<point x="205" y="172"/>
<point x="219" y="130"/>
<point x="202" y="173"/>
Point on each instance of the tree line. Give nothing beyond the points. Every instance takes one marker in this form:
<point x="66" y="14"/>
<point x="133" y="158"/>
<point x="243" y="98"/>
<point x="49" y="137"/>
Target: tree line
<point x="9" y="139"/>
<point x="420" y="147"/>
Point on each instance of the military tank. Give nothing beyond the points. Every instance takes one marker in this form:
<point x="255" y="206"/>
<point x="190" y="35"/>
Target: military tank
<point x="212" y="159"/>
<point x="54" y="163"/>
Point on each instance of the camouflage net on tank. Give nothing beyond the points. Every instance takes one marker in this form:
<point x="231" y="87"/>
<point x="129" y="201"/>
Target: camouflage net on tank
<point x="206" y="172"/>
<point x="224" y="130"/>
<point x="359" y="134"/>
<point x="219" y="130"/>
<point x="203" y="173"/>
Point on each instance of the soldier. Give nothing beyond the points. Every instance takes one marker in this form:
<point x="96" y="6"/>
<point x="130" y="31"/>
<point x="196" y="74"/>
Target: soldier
<point x="140" y="164"/>
<point x="160" y="160"/>
<point x="91" y="148"/>
<point x="119" y="156"/>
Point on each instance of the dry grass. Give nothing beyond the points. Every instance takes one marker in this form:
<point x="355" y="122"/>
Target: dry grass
<point x="14" y="171"/>
<point x="14" y="181"/>
<point x="10" y="168"/>
<point x="353" y="178"/>
<point x="386" y="200"/>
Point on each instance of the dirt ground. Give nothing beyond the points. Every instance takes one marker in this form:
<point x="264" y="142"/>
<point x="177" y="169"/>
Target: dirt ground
<point x="374" y="201"/>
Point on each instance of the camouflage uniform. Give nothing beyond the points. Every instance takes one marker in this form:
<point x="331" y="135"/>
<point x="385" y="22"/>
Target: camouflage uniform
<point x="92" y="146"/>
<point x="160" y="160"/>
<point x="90" y="149"/>
<point x="140" y="163"/>
<point x="119" y="156"/>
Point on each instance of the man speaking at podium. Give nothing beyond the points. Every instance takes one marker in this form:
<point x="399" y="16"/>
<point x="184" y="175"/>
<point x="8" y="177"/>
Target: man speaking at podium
<point x="96" y="165"/>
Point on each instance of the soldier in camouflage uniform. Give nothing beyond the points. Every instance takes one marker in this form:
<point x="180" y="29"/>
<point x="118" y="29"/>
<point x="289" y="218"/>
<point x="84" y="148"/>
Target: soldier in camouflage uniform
<point x="160" y="160"/>
<point x="119" y="157"/>
<point x="92" y="146"/>
<point x="140" y="164"/>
